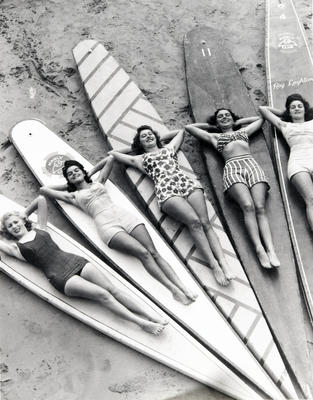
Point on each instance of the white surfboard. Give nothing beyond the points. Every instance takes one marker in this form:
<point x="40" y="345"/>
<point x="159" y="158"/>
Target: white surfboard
<point x="45" y="152"/>
<point x="120" y="107"/>
<point x="195" y="361"/>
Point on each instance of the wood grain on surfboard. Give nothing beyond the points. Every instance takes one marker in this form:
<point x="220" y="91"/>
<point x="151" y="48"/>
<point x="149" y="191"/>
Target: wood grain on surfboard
<point x="195" y="361"/>
<point x="289" y="68"/>
<point x="213" y="82"/>
<point x="44" y="152"/>
<point x="120" y="107"/>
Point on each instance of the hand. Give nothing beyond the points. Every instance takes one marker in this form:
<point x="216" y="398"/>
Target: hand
<point x="69" y="197"/>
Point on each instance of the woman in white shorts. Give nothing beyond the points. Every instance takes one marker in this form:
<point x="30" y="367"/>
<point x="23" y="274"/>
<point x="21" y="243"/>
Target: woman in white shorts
<point x="296" y="125"/>
<point x="116" y="227"/>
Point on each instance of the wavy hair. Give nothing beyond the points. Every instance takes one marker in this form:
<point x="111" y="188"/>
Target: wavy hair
<point x="212" y="120"/>
<point x="69" y="163"/>
<point x="137" y="147"/>
<point x="28" y="223"/>
<point x="308" y="110"/>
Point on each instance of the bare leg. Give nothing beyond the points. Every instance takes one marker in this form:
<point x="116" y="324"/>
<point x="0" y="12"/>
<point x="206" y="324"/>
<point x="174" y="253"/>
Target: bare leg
<point x="241" y="194"/>
<point x="77" y="286"/>
<point x="124" y="242"/>
<point x="197" y="201"/>
<point x="181" y="210"/>
<point x="92" y="274"/>
<point x="259" y="194"/>
<point x="142" y="235"/>
<point x="303" y="183"/>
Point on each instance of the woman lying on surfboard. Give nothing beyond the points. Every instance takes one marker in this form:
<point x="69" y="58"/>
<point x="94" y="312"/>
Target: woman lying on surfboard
<point x="177" y="194"/>
<point x="296" y="126"/>
<point x="69" y="273"/>
<point x="116" y="227"/>
<point x="244" y="180"/>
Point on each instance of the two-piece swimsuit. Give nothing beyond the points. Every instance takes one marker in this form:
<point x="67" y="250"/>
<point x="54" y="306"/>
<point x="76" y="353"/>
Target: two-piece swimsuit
<point x="169" y="180"/>
<point x="110" y="219"/>
<point x="241" y="169"/>
<point x="299" y="137"/>
<point x="58" y="265"/>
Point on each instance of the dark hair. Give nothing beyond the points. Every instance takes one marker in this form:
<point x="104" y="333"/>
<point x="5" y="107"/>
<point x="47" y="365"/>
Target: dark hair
<point x="28" y="224"/>
<point x="308" y="111"/>
<point x="137" y="146"/>
<point x="212" y="120"/>
<point x="69" y="163"/>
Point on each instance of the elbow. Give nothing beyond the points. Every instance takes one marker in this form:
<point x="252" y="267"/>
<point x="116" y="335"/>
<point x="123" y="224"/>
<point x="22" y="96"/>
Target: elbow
<point x="42" y="191"/>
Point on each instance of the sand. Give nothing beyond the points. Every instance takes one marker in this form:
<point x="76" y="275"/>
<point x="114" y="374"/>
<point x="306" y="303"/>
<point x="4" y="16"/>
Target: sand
<point x="44" y="353"/>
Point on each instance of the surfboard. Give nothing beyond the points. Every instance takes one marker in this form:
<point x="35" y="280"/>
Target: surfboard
<point x="289" y="69"/>
<point x="44" y="152"/>
<point x="195" y="361"/>
<point x="120" y="107"/>
<point x="213" y="82"/>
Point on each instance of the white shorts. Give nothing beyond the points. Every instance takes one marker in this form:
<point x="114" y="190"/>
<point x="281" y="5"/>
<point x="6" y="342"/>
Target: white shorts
<point x="300" y="160"/>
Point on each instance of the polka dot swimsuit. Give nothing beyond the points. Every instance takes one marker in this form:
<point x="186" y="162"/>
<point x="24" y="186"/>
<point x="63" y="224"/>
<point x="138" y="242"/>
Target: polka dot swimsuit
<point x="169" y="180"/>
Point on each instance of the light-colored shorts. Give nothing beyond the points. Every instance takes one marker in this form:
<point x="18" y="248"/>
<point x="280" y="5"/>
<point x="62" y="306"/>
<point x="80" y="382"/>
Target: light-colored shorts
<point x="243" y="169"/>
<point x="300" y="160"/>
<point x="124" y="222"/>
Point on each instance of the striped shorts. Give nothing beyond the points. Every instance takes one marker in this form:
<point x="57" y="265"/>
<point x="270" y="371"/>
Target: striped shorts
<point x="243" y="169"/>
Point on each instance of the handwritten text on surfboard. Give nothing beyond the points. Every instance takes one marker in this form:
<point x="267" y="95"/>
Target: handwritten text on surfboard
<point x="292" y="83"/>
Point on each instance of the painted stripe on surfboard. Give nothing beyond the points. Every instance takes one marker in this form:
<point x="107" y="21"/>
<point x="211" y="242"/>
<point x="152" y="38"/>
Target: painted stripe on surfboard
<point x="136" y="120"/>
<point x="195" y="361"/>
<point x="286" y="11"/>
<point x="29" y="135"/>
<point x="148" y="116"/>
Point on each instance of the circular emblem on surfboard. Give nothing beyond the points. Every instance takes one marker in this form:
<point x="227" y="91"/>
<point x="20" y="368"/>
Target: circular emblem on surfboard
<point x="54" y="162"/>
<point x="287" y="43"/>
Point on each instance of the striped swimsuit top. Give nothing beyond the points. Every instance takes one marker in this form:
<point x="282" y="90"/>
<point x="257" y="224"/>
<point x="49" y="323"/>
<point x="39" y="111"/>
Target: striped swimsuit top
<point x="225" y="138"/>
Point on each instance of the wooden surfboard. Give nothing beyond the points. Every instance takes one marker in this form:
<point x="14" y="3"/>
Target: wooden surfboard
<point x="120" y="107"/>
<point x="213" y="82"/>
<point x="289" y="68"/>
<point x="195" y="361"/>
<point x="44" y="152"/>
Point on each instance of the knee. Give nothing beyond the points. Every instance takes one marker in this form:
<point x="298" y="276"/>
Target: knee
<point x="195" y="224"/>
<point x="104" y="296"/>
<point x="206" y="224"/>
<point x="309" y="200"/>
<point x="248" y="207"/>
<point x="260" y="209"/>
<point x="143" y="254"/>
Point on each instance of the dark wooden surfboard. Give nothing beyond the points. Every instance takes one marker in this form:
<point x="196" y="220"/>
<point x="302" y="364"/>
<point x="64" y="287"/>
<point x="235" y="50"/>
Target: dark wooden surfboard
<point x="213" y="82"/>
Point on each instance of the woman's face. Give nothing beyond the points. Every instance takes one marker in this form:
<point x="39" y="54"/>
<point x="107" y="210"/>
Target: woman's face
<point x="75" y="174"/>
<point x="296" y="110"/>
<point x="224" y="119"/>
<point x="15" y="225"/>
<point x="147" y="138"/>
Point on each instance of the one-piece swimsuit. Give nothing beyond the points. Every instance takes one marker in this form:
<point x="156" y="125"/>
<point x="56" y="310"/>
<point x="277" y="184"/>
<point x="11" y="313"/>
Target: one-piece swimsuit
<point x="56" y="264"/>
<point x="168" y="178"/>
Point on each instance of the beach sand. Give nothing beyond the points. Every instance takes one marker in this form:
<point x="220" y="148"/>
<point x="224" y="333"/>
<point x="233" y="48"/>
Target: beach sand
<point x="44" y="354"/>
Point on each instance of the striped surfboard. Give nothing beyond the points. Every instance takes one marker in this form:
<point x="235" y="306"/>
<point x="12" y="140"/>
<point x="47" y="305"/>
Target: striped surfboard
<point x="120" y="107"/>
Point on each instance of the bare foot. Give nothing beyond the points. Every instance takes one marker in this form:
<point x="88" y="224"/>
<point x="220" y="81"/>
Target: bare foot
<point x="229" y="274"/>
<point x="263" y="258"/>
<point x="159" y="320"/>
<point x="152" y="327"/>
<point x="273" y="259"/>
<point x="190" y="295"/>
<point x="220" y="276"/>
<point x="180" y="296"/>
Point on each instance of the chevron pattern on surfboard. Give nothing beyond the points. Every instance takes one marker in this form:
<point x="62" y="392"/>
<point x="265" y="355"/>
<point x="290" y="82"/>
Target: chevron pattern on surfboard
<point x="120" y="107"/>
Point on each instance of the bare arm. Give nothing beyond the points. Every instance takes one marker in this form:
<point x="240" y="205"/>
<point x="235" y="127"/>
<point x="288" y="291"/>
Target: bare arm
<point x="39" y="204"/>
<point x="201" y="134"/>
<point x="269" y="114"/>
<point x="10" y="248"/>
<point x="245" y="121"/>
<point x="254" y="126"/>
<point x="177" y="140"/>
<point x="58" y="194"/>
<point x="132" y="161"/>
<point x="105" y="166"/>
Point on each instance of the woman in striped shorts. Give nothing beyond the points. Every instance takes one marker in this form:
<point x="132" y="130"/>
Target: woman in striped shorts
<point x="244" y="180"/>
